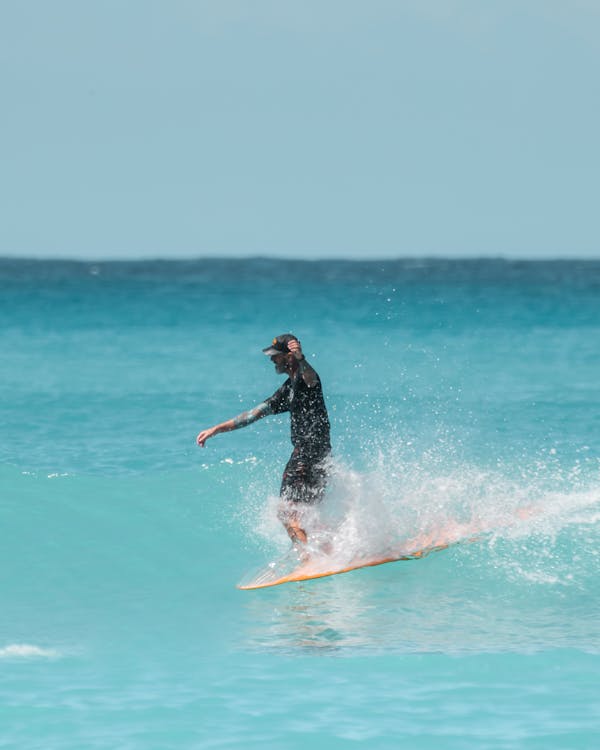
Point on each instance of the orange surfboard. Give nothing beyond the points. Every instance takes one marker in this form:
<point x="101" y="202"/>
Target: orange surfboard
<point x="311" y="570"/>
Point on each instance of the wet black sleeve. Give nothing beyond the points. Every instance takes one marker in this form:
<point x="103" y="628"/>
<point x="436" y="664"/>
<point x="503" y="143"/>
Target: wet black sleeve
<point x="280" y="400"/>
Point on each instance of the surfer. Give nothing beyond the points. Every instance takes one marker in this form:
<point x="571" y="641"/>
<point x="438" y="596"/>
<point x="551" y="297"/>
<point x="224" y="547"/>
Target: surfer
<point x="305" y="474"/>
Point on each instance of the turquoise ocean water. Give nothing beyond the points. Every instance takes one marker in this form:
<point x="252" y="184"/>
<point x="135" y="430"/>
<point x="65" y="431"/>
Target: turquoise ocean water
<point x="464" y="396"/>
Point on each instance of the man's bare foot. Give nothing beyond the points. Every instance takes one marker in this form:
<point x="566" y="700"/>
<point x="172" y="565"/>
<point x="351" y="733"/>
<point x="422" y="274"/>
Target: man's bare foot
<point x="302" y="553"/>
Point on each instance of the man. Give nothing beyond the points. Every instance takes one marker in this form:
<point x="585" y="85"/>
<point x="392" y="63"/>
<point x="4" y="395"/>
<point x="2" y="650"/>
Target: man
<point x="305" y="473"/>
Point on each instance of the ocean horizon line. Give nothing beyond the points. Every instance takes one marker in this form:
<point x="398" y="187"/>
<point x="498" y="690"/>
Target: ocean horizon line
<point x="416" y="259"/>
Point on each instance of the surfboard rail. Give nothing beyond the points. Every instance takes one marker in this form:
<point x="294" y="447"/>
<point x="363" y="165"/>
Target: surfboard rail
<point x="308" y="571"/>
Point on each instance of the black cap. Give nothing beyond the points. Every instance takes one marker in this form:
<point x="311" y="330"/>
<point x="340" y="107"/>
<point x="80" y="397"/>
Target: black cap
<point x="279" y="345"/>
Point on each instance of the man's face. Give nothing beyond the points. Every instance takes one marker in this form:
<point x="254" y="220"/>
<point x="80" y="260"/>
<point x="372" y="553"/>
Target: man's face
<point x="280" y="362"/>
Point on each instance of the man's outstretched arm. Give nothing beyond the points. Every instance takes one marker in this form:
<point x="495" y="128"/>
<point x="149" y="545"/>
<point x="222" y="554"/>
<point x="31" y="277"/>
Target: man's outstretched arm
<point x="242" y="420"/>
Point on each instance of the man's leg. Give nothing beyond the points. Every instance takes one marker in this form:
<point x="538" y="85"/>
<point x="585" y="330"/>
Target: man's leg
<point x="303" y="484"/>
<point x="293" y="489"/>
<point x="295" y="531"/>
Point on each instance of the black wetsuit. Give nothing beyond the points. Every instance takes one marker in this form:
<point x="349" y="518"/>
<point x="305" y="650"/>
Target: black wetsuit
<point x="305" y="473"/>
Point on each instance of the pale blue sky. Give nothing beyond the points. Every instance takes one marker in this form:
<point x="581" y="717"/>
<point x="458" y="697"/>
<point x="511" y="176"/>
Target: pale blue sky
<point x="135" y="128"/>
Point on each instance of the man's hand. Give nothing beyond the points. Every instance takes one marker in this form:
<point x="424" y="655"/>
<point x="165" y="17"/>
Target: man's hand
<point x="295" y="348"/>
<point x="204" y="435"/>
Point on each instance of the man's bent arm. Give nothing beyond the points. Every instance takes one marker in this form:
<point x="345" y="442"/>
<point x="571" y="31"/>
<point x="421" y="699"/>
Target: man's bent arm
<point x="307" y="373"/>
<point x="242" y="420"/>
